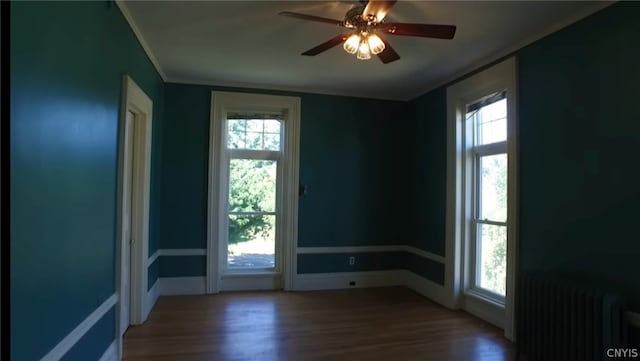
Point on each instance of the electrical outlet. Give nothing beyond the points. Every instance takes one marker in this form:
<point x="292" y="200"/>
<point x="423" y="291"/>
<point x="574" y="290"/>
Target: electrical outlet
<point x="352" y="261"/>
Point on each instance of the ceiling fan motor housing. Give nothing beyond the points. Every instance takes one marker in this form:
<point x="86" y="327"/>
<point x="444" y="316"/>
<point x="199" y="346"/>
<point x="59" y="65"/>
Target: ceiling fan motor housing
<point x="354" y="18"/>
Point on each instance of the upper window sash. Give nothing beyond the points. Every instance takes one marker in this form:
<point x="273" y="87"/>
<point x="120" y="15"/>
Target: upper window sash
<point x="254" y="154"/>
<point x="490" y="149"/>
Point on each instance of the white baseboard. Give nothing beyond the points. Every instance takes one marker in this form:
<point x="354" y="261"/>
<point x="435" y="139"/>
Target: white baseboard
<point x="77" y="333"/>
<point x="332" y="281"/>
<point x="308" y="282"/>
<point x="111" y="353"/>
<point x="427" y="288"/>
<point x="495" y="315"/>
<point x="152" y="298"/>
<point x="170" y="286"/>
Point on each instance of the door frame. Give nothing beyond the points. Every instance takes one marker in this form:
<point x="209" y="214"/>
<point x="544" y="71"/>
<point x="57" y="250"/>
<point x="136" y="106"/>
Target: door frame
<point x="137" y="102"/>
<point x="220" y="102"/>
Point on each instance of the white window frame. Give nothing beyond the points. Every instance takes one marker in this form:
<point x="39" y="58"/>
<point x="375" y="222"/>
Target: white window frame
<point x="288" y="164"/>
<point x="499" y="77"/>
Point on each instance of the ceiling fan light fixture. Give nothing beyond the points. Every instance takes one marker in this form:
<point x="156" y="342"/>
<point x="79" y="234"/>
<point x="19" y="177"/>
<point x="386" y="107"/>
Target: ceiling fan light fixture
<point x="375" y="44"/>
<point x="352" y="44"/>
<point x="364" y="52"/>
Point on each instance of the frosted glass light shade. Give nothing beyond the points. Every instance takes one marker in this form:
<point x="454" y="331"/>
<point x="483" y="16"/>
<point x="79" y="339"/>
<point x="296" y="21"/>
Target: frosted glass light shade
<point x="375" y="43"/>
<point x="351" y="44"/>
<point x="364" y="52"/>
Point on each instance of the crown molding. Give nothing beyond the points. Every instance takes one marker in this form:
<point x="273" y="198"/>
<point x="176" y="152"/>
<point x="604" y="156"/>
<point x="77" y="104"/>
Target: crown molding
<point x="280" y="88"/>
<point x="495" y="57"/>
<point x="145" y="46"/>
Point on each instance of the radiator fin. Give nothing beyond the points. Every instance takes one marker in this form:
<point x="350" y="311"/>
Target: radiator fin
<point x="562" y="319"/>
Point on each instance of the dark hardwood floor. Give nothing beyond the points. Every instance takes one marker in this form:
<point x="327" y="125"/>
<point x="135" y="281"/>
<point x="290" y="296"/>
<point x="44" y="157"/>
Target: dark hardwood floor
<point x="390" y="324"/>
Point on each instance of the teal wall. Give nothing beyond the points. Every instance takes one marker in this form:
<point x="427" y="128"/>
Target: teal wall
<point x="347" y="158"/>
<point x="185" y="165"/>
<point x="182" y="266"/>
<point x="579" y="131"/>
<point x="67" y="62"/>
<point x="339" y="262"/>
<point x="371" y="261"/>
<point x="430" y="138"/>
<point x="579" y="139"/>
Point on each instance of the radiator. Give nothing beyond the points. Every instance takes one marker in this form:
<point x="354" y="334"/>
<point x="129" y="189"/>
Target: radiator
<point x="562" y="317"/>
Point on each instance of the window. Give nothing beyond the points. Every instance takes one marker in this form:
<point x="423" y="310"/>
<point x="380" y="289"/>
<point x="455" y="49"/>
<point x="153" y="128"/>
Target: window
<point x="487" y="120"/>
<point x="481" y="194"/>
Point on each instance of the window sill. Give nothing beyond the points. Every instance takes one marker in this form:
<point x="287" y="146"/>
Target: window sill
<point x="482" y="296"/>
<point x="250" y="273"/>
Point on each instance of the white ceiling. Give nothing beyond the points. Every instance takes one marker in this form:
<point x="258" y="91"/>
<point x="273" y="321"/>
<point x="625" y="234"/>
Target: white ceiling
<point x="247" y="44"/>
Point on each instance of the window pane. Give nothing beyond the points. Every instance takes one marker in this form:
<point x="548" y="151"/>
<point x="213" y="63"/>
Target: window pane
<point x="492" y="257"/>
<point x="256" y="134"/>
<point x="491" y="123"/>
<point x="235" y="133"/>
<point x="493" y="188"/>
<point x="252" y="185"/>
<point x="251" y="241"/>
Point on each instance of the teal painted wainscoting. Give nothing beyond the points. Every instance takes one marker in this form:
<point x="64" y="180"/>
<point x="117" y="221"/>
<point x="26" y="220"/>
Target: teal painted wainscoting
<point x="93" y="344"/>
<point x="339" y="262"/>
<point x="182" y="266"/>
<point x="334" y="262"/>
<point x="153" y="272"/>
<point x="424" y="267"/>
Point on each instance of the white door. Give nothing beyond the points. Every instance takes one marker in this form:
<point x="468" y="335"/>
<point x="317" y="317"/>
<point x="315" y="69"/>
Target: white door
<point x="127" y="222"/>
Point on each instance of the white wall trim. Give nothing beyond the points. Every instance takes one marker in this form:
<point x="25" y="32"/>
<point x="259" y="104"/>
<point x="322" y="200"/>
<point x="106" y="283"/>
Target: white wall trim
<point x="487" y="311"/>
<point x="176" y="252"/>
<point x="152" y="298"/>
<point x="427" y="288"/>
<point x="170" y="286"/>
<point x="183" y="252"/>
<point x="111" y="353"/>
<point x="153" y="258"/>
<point x="575" y="17"/>
<point x="136" y="31"/>
<point x="365" y="249"/>
<point x="352" y="249"/>
<point x="77" y="333"/>
<point x="340" y="280"/>
<point x="425" y="254"/>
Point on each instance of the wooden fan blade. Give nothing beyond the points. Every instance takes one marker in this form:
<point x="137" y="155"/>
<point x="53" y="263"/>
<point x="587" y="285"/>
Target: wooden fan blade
<point x="423" y="30"/>
<point x="312" y="18"/>
<point x="378" y="8"/>
<point x="388" y="54"/>
<point x="327" y="44"/>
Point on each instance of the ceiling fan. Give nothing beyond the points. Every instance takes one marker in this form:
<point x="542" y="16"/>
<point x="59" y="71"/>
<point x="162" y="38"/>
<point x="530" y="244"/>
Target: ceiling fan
<point x="366" y="21"/>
